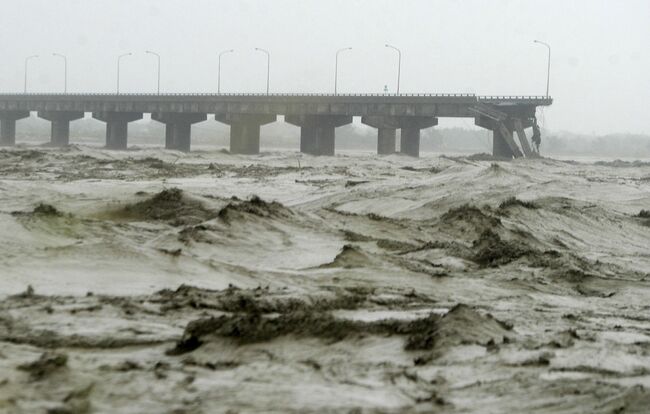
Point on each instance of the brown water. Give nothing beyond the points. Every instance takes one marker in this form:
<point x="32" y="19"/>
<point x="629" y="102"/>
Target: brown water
<point x="289" y="283"/>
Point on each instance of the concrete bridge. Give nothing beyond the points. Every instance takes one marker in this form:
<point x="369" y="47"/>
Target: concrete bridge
<point x="317" y="115"/>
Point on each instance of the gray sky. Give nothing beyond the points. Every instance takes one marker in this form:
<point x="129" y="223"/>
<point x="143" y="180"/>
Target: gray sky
<point x="600" y="75"/>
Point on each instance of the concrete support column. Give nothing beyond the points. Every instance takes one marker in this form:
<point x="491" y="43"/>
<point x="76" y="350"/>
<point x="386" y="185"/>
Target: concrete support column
<point x="178" y="128"/>
<point x="386" y="138"/>
<point x="117" y="127"/>
<point x="411" y="127"/>
<point x="386" y="132"/>
<point x="8" y="126"/>
<point x="169" y="137"/>
<point x="60" y="120"/>
<point x="245" y="130"/>
<point x="500" y="147"/>
<point x="317" y="132"/>
<point x="410" y="141"/>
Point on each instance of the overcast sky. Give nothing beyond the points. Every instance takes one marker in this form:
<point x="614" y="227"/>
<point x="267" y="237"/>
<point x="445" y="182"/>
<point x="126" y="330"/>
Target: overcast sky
<point x="600" y="74"/>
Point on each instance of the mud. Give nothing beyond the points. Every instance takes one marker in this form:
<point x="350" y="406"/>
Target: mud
<point x="151" y="281"/>
<point x="255" y="206"/>
<point x="470" y="220"/>
<point x="169" y="205"/>
<point x="254" y="326"/>
<point x="349" y="257"/>
<point x="45" y="366"/>
<point x="514" y="201"/>
<point x="492" y="251"/>
<point x="259" y="300"/>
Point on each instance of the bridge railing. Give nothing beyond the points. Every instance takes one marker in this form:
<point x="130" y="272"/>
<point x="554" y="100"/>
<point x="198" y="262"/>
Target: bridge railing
<point x="443" y="95"/>
<point x="513" y="98"/>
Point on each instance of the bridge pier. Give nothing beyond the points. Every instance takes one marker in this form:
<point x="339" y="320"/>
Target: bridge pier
<point x="60" y="120"/>
<point x="317" y="132"/>
<point x="500" y="147"/>
<point x="411" y="127"/>
<point x="8" y="126"/>
<point x="386" y="132"/>
<point x="178" y="128"/>
<point x="245" y="130"/>
<point x="386" y="138"/>
<point x="117" y="127"/>
<point x="503" y="143"/>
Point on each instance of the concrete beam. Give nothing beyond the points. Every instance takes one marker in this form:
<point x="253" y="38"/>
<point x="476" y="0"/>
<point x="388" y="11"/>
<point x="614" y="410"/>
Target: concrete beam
<point x="411" y="127"/>
<point x="60" y="120"/>
<point x="117" y="127"/>
<point x="523" y="140"/>
<point x="317" y="132"/>
<point x="390" y="122"/>
<point x="245" y="130"/>
<point x="485" y="122"/>
<point x="8" y="126"/>
<point x="178" y="128"/>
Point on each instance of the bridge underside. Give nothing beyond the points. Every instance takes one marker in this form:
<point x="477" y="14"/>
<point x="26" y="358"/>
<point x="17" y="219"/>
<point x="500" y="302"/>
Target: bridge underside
<point x="318" y="116"/>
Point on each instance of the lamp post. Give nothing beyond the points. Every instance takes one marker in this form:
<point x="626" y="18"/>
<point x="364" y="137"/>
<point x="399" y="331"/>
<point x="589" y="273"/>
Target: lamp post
<point x="219" y="72"/>
<point x="268" y="66"/>
<point x="119" y="58"/>
<point x="158" y="56"/>
<point x="548" y="68"/>
<point x="336" y="68"/>
<point x="399" y="64"/>
<point x="65" y="71"/>
<point x="27" y="59"/>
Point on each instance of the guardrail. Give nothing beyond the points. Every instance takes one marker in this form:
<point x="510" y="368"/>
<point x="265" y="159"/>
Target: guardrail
<point x="442" y="95"/>
<point x="513" y="98"/>
<point x="269" y="98"/>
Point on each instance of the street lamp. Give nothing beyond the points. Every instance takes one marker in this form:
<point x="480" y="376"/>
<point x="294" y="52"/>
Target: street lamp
<point x="158" y="56"/>
<point x="548" y="69"/>
<point x="399" y="64"/>
<point x="219" y="71"/>
<point x="26" y="61"/>
<point x="336" y="68"/>
<point x="65" y="71"/>
<point x="119" y="58"/>
<point x="268" y="66"/>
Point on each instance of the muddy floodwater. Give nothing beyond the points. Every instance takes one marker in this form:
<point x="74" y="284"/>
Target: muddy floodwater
<point x="151" y="281"/>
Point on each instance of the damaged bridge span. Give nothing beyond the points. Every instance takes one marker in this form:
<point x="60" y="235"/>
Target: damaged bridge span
<point x="317" y="115"/>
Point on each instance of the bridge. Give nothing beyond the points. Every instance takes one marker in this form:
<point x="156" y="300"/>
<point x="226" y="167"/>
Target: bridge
<point x="317" y="115"/>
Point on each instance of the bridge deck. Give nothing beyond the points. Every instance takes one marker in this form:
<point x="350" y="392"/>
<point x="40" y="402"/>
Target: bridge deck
<point x="318" y="115"/>
<point x="441" y="105"/>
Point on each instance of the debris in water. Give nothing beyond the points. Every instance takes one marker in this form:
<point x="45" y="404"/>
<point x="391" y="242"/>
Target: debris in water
<point x="349" y="257"/>
<point x="28" y="293"/>
<point x="513" y="201"/>
<point x="47" y="364"/>
<point x="170" y="205"/>
<point x="492" y="251"/>
<point x="251" y="327"/>
<point x="255" y="206"/>
<point x="351" y="183"/>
